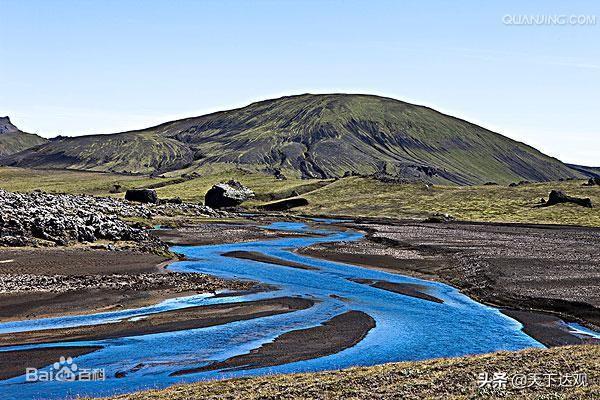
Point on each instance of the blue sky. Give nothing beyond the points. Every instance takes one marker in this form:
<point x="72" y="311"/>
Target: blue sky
<point x="82" y="67"/>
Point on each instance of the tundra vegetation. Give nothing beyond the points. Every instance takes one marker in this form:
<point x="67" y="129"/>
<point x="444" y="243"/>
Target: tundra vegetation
<point x="349" y="196"/>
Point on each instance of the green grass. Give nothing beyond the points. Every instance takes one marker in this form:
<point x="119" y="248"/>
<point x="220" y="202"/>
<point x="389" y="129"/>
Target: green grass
<point x="447" y="378"/>
<point x="348" y="196"/>
<point x="266" y="187"/>
<point x="365" y="197"/>
<point x="74" y="182"/>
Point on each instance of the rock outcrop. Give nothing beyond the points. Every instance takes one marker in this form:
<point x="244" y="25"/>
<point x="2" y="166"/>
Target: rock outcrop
<point x="32" y="219"/>
<point x="557" y="197"/>
<point x="40" y="218"/>
<point x="227" y="194"/>
<point x="593" y="182"/>
<point x="440" y="218"/>
<point x="285" y="204"/>
<point x="142" y="195"/>
<point x="520" y="183"/>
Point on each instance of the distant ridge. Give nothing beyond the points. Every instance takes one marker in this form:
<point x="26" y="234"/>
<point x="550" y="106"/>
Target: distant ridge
<point x="312" y="136"/>
<point x="590" y="172"/>
<point x="13" y="140"/>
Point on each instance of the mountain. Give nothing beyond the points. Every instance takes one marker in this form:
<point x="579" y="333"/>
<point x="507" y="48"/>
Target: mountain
<point x="311" y="136"/>
<point x="589" y="172"/>
<point x="12" y="140"/>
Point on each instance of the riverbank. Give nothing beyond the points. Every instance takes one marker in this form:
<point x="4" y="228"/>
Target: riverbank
<point x="339" y="333"/>
<point x="455" y="378"/>
<point x="167" y="321"/>
<point x="58" y="281"/>
<point x="210" y="233"/>
<point x="535" y="269"/>
<point x="14" y="362"/>
<point x="429" y="320"/>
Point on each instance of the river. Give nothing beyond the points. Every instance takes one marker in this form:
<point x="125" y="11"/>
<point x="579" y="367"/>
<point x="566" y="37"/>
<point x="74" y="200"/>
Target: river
<point x="407" y="328"/>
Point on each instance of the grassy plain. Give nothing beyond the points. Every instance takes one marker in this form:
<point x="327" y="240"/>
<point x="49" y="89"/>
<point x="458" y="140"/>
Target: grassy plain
<point x="73" y="182"/>
<point x="366" y="197"/>
<point x="352" y="196"/>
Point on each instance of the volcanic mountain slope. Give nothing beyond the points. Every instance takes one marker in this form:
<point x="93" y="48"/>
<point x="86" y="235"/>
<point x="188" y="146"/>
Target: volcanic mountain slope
<point x="311" y="136"/>
<point x="590" y="172"/>
<point x="12" y="140"/>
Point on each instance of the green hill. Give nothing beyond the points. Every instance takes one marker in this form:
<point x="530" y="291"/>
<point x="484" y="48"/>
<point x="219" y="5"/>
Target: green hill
<point x="12" y="140"/>
<point x="311" y="136"/>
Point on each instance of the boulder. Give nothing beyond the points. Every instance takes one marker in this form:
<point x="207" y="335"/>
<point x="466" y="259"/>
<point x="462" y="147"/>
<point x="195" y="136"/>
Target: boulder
<point x="440" y="218"/>
<point x="142" y="195"/>
<point x="557" y="197"/>
<point x="227" y="194"/>
<point x="284" y="204"/>
<point x="520" y="183"/>
<point x="593" y="182"/>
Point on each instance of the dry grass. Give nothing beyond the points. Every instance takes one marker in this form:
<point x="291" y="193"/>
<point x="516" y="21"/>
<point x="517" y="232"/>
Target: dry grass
<point x="266" y="187"/>
<point x="352" y="196"/>
<point x="74" y="182"/>
<point x="366" y="197"/>
<point x="453" y="378"/>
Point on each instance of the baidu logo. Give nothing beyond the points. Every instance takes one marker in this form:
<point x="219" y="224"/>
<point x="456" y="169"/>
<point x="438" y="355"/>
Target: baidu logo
<point x="65" y="370"/>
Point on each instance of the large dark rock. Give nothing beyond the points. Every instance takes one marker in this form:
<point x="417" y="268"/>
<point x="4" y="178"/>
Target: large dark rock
<point x="593" y="182"/>
<point x="142" y="195"/>
<point x="227" y="194"/>
<point x="520" y="183"/>
<point x="557" y="197"/>
<point x="285" y="204"/>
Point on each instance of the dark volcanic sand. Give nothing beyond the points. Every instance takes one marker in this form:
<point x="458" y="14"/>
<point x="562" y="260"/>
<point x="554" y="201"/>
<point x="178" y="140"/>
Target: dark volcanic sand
<point x="14" y="362"/>
<point x="78" y="261"/>
<point x="38" y="263"/>
<point x="339" y="333"/>
<point x="553" y="269"/>
<point x="257" y="256"/>
<point x="548" y="329"/>
<point x="169" y="321"/>
<point x="407" y="289"/>
<point x="218" y="233"/>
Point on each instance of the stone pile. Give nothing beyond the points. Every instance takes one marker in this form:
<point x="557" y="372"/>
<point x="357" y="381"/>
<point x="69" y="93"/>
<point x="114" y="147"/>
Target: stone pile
<point x="29" y="219"/>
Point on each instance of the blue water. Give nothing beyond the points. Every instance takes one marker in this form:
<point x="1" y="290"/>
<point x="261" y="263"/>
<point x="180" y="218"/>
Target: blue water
<point x="407" y="328"/>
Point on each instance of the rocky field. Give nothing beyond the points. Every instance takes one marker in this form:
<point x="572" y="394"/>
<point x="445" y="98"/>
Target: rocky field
<point x="42" y="219"/>
<point x="79" y="253"/>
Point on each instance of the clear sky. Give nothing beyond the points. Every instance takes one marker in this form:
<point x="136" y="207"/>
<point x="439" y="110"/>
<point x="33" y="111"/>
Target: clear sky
<point x="82" y="67"/>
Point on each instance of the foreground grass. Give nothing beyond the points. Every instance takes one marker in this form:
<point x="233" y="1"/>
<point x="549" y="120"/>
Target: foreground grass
<point x="453" y="378"/>
<point x="365" y="197"/>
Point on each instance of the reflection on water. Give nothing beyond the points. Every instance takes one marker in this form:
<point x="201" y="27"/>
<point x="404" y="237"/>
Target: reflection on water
<point x="407" y="328"/>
